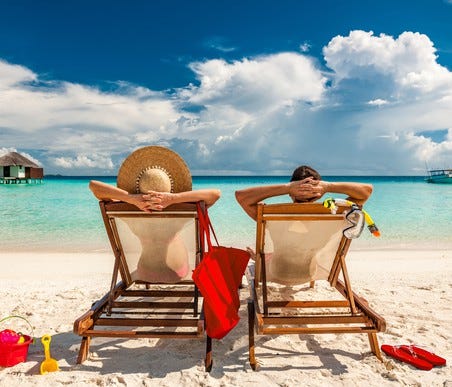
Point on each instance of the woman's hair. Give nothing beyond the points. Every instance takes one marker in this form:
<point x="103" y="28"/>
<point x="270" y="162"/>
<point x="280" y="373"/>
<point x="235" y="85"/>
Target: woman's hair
<point x="303" y="171"/>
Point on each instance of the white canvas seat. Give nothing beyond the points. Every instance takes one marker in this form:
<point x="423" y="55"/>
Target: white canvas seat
<point x="299" y="244"/>
<point x="155" y="297"/>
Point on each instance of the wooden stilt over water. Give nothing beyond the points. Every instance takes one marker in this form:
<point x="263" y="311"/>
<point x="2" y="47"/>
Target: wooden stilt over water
<point x="18" y="180"/>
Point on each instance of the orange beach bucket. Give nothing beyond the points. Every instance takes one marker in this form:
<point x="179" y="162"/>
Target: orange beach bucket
<point x="12" y="353"/>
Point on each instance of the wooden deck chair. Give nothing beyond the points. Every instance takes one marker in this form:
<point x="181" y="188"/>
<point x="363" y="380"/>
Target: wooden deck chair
<point x="300" y="244"/>
<point x="155" y="254"/>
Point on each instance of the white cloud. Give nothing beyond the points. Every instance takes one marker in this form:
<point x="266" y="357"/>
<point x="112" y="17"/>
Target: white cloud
<point x="11" y="75"/>
<point x="257" y="84"/>
<point x="4" y="151"/>
<point x="305" y="47"/>
<point x="63" y="117"/>
<point x="72" y="105"/>
<point x="409" y="61"/>
<point x="31" y="158"/>
<point x="220" y="44"/>
<point x="377" y="102"/>
<point x="82" y="160"/>
<point x="56" y="105"/>
<point x="262" y="115"/>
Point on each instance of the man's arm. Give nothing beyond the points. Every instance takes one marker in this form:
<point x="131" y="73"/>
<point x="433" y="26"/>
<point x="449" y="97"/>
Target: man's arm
<point x="356" y="192"/>
<point x="303" y="190"/>
<point x="248" y="198"/>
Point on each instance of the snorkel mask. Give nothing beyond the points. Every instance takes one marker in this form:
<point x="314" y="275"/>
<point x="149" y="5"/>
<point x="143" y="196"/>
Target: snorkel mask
<point x="356" y="218"/>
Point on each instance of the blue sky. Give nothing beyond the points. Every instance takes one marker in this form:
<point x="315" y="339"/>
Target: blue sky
<point x="235" y="87"/>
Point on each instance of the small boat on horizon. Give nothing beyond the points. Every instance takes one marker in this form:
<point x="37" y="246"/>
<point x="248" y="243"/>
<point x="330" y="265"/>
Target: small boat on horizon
<point x="441" y="176"/>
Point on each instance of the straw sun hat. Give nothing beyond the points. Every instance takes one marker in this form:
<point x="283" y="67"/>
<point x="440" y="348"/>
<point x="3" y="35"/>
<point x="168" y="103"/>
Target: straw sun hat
<point x="154" y="168"/>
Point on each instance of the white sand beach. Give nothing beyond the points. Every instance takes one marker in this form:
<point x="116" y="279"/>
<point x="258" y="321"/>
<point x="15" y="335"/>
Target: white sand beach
<point x="411" y="289"/>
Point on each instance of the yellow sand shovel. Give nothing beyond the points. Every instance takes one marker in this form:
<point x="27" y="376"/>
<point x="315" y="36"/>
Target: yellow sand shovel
<point x="49" y="364"/>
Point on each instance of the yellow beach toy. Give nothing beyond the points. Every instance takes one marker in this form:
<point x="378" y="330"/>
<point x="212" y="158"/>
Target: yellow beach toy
<point x="332" y="203"/>
<point x="49" y="364"/>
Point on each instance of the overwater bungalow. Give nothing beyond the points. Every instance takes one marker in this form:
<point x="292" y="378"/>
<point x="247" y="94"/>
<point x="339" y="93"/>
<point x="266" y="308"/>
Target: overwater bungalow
<point x="17" y="169"/>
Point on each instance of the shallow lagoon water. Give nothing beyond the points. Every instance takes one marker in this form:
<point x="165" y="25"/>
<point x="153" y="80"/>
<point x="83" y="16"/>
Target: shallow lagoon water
<point x="61" y="214"/>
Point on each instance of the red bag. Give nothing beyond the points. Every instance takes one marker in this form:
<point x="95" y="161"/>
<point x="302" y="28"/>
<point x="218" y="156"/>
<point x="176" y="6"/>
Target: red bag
<point x="218" y="277"/>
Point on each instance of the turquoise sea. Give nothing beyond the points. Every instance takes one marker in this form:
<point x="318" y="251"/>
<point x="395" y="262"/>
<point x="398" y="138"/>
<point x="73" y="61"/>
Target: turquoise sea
<point x="61" y="214"/>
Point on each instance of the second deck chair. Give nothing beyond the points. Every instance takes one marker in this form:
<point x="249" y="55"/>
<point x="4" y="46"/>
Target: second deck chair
<point x="297" y="244"/>
<point x="155" y="254"/>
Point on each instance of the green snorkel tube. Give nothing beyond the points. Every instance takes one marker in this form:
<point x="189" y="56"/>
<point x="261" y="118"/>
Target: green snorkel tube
<point x="333" y="203"/>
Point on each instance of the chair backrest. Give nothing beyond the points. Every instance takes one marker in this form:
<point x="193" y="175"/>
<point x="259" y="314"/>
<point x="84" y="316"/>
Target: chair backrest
<point x="158" y="247"/>
<point x="298" y="242"/>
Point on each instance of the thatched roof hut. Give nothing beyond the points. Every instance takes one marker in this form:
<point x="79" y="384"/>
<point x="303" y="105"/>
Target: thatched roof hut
<point x="13" y="165"/>
<point x="14" y="158"/>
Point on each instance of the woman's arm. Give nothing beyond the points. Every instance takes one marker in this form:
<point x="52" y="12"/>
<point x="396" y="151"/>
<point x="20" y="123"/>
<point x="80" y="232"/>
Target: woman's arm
<point x="156" y="201"/>
<point x="104" y="191"/>
<point x="164" y="199"/>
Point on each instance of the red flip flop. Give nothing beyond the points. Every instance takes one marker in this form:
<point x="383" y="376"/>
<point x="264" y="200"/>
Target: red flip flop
<point x="397" y="353"/>
<point x="423" y="354"/>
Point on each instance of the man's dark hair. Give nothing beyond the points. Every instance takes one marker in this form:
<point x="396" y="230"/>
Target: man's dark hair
<point x="303" y="171"/>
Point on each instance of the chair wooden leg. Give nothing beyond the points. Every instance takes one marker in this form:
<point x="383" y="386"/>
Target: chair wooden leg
<point x="208" y="362"/>
<point x="373" y="340"/>
<point x="84" y="349"/>
<point x="311" y="284"/>
<point x="252" y="355"/>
